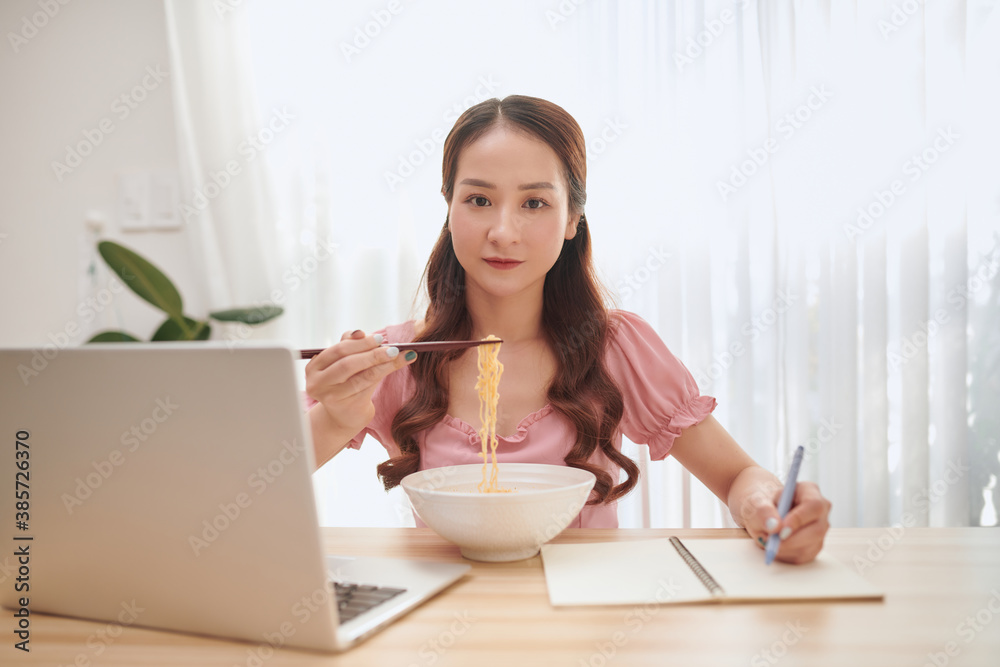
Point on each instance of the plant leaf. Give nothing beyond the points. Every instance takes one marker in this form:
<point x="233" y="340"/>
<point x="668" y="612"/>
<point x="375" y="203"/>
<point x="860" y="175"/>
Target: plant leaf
<point x="171" y="330"/>
<point x="142" y="278"/>
<point x="257" y="315"/>
<point x="113" y="337"/>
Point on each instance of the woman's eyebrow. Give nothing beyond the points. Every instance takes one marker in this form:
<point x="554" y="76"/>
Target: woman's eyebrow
<point x="478" y="183"/>
<point x="540" y="185"/>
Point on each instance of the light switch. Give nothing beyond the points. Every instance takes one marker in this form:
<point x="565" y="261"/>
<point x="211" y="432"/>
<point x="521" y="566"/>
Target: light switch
<point x="163" y="201"/>
<point x="133" y="201"/>
<point x="147" y="201"/>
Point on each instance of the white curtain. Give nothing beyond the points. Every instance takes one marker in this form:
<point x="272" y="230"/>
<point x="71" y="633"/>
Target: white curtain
<point x="802" y="199"/>
<point x="224" y="196"/>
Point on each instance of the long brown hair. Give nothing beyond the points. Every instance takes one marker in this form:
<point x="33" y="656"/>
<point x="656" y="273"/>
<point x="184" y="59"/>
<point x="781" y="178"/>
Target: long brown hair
<point x="575" y="320"/>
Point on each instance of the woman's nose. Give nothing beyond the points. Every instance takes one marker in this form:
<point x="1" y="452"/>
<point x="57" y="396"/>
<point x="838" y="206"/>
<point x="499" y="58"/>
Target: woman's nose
<point x="504" y="230"/>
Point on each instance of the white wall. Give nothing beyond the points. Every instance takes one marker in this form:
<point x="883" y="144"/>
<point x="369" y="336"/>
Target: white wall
<point x="61" y="82"/>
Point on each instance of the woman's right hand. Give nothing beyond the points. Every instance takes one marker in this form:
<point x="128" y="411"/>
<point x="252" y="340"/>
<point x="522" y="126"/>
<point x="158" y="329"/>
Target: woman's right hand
<point x="343" y="378"/>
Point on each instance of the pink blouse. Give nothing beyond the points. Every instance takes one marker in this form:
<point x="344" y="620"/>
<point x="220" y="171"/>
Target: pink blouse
<point x="660" y="399"/>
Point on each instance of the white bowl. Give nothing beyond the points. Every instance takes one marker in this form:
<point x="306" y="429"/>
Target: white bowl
<point x="499" y="526"/>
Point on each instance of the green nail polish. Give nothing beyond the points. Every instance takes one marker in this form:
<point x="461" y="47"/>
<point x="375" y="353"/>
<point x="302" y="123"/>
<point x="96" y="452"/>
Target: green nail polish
<point x="761" y="540"/>
<point x="411" y="355"/>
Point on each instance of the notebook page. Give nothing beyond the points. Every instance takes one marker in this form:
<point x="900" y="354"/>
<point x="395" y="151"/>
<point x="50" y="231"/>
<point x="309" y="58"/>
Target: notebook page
<point x="634" y="572"/>
<point x="738" y="566"/>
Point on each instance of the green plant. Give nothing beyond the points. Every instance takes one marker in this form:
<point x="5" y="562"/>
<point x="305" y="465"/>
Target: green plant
<point x="154" y="286"/>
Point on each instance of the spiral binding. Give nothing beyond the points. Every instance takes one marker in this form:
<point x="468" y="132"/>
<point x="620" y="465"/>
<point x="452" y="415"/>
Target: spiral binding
<point x="699" y="571"/>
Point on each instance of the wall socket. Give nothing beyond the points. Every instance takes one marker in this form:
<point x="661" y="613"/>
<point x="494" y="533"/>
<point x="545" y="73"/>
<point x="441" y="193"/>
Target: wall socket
<point x="147" y="201"/>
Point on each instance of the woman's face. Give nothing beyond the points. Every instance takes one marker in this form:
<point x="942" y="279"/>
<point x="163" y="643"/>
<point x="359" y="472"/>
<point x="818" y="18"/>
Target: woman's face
<point x="509" y="212"/>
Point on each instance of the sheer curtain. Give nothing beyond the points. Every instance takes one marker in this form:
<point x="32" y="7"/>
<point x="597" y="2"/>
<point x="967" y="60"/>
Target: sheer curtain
<point x="224" y="198"/>
<point x="803" y="201"/>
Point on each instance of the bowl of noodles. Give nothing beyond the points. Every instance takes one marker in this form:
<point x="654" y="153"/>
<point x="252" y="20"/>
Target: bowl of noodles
<point x="531" y="504"/>
<point x="497" y="511"/>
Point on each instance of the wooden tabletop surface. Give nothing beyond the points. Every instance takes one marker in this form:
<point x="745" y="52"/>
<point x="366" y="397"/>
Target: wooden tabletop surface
<point x="942" y="607"/>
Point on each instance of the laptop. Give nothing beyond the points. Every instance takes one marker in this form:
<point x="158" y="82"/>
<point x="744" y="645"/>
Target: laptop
<point x="169" y="485"/>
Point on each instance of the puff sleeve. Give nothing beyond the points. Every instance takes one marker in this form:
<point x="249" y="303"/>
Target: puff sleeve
<point x="387" y="399"/>
<point x="660" y="395"/>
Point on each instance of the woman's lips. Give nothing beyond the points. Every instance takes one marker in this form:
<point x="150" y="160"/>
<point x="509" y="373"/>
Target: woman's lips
<point x="501" y="263"/>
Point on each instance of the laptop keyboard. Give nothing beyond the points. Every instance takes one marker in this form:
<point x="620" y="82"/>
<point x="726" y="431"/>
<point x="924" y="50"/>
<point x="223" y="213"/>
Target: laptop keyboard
<point x="354" y="599"/>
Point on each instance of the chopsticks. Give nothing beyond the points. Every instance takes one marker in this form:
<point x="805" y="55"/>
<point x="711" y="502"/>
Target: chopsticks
<point x="419" y="347"/>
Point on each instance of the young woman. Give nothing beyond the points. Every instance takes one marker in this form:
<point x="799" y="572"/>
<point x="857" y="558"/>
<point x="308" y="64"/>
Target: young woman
<point x="514" y="260"/>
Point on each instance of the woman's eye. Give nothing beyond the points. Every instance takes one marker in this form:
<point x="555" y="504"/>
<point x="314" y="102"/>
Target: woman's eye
<point x="534" y="203"/>
<point x="479" y="201"/>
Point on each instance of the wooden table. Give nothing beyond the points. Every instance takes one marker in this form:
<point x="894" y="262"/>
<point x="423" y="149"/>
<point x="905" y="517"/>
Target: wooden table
<point x="942" y="607"/>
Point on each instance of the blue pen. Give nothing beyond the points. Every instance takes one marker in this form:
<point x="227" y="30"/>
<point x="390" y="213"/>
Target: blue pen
<point x="785" y="503"/>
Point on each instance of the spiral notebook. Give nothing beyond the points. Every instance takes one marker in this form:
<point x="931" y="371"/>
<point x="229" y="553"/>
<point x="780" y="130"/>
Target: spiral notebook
<point x="672" y="571"/>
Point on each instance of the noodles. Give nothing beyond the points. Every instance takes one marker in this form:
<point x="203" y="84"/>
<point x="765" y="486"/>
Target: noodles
<point x="488" y="387"/>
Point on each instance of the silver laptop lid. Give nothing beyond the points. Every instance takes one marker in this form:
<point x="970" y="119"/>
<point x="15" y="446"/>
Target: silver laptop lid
<point x="170" y="487"/>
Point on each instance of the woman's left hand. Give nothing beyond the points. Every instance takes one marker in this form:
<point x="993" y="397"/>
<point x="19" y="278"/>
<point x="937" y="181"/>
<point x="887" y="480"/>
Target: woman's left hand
<point x="752" y="493"/>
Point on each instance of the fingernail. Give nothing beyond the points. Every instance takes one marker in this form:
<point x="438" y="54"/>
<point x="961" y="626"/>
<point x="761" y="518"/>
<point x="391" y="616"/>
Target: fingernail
<point x="785" y="532"/>
<point x="410" y="356"/>
<point x="393" y="352"/>
<point x="379" y="339"/>
<point x="761" y="540"/>
<point x="771" y="525"/>
<point x="355" y="333"/>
